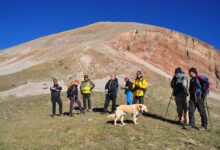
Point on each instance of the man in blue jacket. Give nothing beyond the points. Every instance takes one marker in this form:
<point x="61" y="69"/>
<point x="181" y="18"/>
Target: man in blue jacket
<point x="111" y="89"/>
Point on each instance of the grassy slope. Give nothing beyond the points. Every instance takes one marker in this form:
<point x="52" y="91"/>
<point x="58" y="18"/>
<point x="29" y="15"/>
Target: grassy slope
<point x="26" y="124"/>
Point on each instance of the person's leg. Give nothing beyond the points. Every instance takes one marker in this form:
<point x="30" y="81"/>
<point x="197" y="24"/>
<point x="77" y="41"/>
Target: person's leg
<point x="71" y="106"/>
<point x="84" y="100"/>
<point x="202" y="111"/>
<point x="80" y="105"/>
<point x="89" y="101"/>
<point x="141" y="100"/>
<point x="179" y="106"/>
<point x="107" y="100"/>
<point x="59" y="101"/>
<point x="113" y="98"/>
<point x="192" y="108"/>
<point x="184" y="103"/>
<point x="129" y="97"/>
<point x="53" y="107"/>
<point x="135" y="100"/>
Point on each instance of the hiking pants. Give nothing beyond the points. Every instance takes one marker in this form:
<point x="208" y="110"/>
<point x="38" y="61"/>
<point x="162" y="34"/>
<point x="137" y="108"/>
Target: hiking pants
<point x="54" y="101"/>
<point x="138" y="100"/>
<point x="86" y="97"/>
<point x="107" y="100"/>
<point x="129" y="97"/>
<point x="72" y="101"/>
<point x="197" y="102"/>
<point x="181" y="105"/>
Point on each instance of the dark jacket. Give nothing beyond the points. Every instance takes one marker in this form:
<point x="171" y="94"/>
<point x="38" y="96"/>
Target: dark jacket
<point x="55" y="91"/>
<point x="179" y="84"/>
<point x="128" y="86"/>
<point x="112" y="87"/>
<point x="194" y="87"/>
<point x="72" y="91"/>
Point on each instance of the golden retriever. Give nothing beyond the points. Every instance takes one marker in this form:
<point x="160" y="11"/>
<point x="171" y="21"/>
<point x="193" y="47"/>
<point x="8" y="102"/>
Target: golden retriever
<point x="122" y="110"/>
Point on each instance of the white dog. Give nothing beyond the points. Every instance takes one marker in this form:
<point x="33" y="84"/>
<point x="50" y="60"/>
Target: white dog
<point x="122" y="110"/>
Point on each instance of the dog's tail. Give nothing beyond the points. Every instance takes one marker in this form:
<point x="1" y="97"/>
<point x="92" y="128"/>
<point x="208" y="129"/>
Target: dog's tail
<point x="111" y="116"/>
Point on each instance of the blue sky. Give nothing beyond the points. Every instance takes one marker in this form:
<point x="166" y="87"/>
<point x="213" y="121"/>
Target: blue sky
<point x="25" y="20"/>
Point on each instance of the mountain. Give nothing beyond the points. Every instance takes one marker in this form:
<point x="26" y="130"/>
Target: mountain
<point x="105" y="48"/>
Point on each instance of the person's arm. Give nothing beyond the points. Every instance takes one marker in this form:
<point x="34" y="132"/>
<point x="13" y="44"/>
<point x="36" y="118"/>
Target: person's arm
<point x="130" y="85"/>
<point x="133" y="86"/>
<point x="60" y="88"/>
<point x="144" y="84"/>
<point x="52" y="89"/>
<point x="81" y="86"/>
<point x="76" y="93"/>
<point x="173" y="82"/>
<point x="107" y="85"/>
<point x="92" y="84"/>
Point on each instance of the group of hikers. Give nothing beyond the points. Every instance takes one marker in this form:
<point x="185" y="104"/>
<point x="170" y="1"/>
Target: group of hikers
<point x="135" y="92"/>
<point x="197" y="91"/>
<point x="139" y="87"/>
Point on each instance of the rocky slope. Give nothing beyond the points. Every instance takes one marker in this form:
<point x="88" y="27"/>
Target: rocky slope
<point x="104" y="48"/>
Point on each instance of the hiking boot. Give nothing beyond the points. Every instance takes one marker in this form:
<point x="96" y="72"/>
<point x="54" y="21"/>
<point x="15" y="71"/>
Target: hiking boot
<point x="202" y="128"/>
<point x="188" y="126"/>
<point x="83" y="112"/>
<point x="104" y="113"/>
<point x="71" y="115"/>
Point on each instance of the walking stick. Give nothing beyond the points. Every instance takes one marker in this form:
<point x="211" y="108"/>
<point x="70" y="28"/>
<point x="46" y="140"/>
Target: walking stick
<point x="208" y="112"/>
<point x="168" y="105"/>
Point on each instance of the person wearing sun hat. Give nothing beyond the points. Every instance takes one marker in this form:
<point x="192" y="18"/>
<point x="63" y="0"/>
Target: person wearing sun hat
<point x="72" y="94"/>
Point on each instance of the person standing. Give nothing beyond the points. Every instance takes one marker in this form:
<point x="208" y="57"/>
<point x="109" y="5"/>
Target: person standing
<point x="111" y="89"/>
<point x="72" y="94"/>
<point x="139" y="88"/>
<point x="196" y="100"/>
<point x="86" y="88"/>
<point x="179" y="85"/>
<point x="128" y="91"/>
<point x="55" y="98"/>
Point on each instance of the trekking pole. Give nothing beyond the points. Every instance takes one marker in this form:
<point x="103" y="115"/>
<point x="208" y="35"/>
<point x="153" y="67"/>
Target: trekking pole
<point x="208" y="113"/>
<point x="168" y="105"/>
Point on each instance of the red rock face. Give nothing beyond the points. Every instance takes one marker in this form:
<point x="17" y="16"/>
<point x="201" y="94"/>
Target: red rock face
<point x="168" y="49"/>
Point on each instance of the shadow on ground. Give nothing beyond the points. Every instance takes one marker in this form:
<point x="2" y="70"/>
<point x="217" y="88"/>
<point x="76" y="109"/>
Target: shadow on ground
<point x="157" y="117"/>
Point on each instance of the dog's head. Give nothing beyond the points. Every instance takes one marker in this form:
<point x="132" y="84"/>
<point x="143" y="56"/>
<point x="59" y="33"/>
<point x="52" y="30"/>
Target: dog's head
<point x="142" y="108"/>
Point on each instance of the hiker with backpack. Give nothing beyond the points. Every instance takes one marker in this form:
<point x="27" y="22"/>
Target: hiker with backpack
<point x="72" y="94"/>
<point x="86" y="88"/>
<point x="198" y="90"/>
<point x="179" y="84"/>
<point x="111" y="89"/>
<point x="128" y="91"/>
<point x="139" y="88"/>
<point x="55" y="98"/>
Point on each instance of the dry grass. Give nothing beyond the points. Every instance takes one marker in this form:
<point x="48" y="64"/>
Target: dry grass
<point x="26" y="124"/>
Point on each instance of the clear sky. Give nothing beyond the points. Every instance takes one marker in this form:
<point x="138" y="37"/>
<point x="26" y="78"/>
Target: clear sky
<point x="25" y="20"/>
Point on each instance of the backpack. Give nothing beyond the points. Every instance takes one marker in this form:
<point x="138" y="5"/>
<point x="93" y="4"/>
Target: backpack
<point x="70" y="89"/>
<point x="181" y="80"/>
<point x="204" y="84"/>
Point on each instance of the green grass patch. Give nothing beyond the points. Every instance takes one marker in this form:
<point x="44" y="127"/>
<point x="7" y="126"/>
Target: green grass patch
<point x="26" y="124"/>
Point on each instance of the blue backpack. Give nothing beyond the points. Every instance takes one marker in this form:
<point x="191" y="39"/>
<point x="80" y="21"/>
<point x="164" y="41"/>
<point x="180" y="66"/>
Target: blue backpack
<point x="204" y="84"/>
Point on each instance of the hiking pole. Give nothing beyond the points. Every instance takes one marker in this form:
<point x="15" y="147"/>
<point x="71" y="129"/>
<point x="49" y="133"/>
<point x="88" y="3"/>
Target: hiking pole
<point x="168" y="105"/>
<point x="208" y="112"/>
